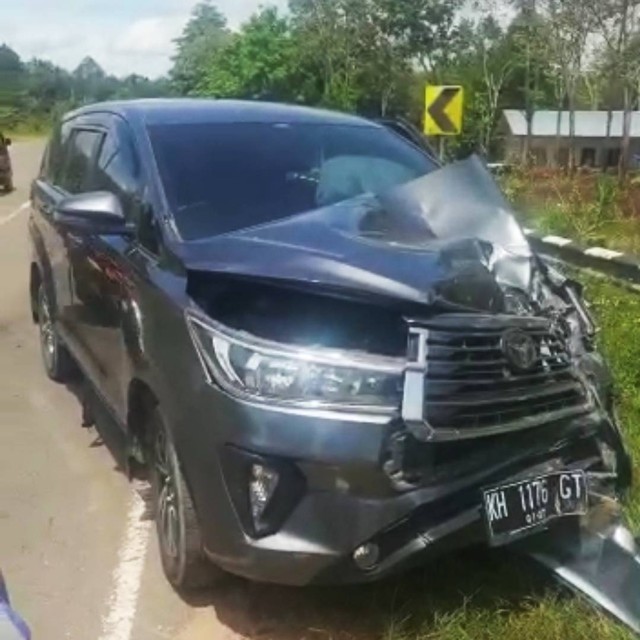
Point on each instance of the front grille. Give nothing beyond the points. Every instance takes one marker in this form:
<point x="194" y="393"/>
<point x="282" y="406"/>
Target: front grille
<point x="471" y="388"/>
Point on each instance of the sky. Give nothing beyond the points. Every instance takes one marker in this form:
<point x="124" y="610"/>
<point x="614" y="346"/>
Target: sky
<point x="123" y="36"/>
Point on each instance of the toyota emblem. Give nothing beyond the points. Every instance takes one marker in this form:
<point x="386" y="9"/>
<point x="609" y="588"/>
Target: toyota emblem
<point x="520" y="350"/>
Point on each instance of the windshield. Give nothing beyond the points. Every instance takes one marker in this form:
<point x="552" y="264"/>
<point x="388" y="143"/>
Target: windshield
<point x="223" y="177"/>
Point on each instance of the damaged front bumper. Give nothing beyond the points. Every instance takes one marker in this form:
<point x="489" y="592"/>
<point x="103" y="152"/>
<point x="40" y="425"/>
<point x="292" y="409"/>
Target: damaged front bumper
<point x="343" y="489"/>
<point x="361" y="498"/>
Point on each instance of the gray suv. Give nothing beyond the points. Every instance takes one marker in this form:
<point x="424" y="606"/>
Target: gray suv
<point x="333" y="356"/>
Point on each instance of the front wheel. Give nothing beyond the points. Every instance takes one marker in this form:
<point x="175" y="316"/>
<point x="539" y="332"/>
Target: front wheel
<point x="181" y="549"/>
<point x="57" y="361"/>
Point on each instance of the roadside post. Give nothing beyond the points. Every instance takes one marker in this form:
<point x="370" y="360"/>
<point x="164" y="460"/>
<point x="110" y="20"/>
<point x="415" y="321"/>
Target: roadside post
<point x="444" y="106"/>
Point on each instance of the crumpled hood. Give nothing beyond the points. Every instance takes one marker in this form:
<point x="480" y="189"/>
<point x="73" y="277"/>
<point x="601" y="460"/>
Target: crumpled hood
<point x="448" y="235"/>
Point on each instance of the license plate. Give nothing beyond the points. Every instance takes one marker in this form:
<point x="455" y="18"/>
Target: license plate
<point x="524" y="506"/>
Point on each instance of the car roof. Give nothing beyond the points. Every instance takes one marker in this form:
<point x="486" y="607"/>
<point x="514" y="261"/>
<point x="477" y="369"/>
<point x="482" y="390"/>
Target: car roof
<point x="199" y="111"/>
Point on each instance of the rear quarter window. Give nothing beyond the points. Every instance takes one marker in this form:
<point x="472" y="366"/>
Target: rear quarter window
<point x="53" y="161"/>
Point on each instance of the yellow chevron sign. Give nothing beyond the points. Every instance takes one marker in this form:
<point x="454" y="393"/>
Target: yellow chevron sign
<point x="443" y="110"/>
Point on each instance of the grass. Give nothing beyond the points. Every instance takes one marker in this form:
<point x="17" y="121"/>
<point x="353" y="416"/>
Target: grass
<point x="618" y="312"/>
<point x="590" y="208"/>
<point x="489" y="597"/>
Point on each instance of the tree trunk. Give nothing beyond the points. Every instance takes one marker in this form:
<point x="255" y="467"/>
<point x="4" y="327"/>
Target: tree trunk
<point x="526" y="149"/>
<point x="607" y="140"/>
<point x="572" y="134"/>
<point x="556" y="159"/>
<point x="384" y="101"/>
<point x="623" y="165"/>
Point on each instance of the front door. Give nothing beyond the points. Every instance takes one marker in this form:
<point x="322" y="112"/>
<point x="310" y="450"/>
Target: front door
<point x="102" y="283"/>
<point x="67" y="170"/>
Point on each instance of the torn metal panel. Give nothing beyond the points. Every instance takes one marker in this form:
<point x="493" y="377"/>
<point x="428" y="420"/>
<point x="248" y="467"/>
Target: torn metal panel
<point x="602" y="564"/>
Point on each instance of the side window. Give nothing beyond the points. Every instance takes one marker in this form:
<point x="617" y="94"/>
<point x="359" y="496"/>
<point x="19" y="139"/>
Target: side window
<point x="80" y="161"/>
<point x="118" y="171"/>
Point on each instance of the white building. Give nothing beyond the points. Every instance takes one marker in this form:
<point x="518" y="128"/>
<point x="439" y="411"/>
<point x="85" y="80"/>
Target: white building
<point x="593" y="147"/>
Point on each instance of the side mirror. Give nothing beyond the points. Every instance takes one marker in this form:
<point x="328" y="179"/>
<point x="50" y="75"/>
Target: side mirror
<point x="94" y="213"/>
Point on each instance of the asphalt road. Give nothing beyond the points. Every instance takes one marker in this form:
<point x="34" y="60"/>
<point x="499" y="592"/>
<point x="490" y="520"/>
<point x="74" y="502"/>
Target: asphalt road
<point x="76" y="546"/>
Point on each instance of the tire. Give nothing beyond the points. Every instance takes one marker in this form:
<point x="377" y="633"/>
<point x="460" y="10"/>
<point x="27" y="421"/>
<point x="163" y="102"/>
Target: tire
<point x="56" y="359"/>
<point x="183" y="559"/>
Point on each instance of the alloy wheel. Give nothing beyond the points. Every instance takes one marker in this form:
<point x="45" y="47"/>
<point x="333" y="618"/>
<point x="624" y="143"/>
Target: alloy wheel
<point x="48" y="337"/>
<point x="168" y="497"/>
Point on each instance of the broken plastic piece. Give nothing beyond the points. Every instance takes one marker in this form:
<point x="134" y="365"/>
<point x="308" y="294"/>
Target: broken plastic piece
<point x="603" y="565"/>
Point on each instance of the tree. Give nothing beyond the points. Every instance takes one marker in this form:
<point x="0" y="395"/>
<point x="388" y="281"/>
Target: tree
<point x="258" y="63"/>
<point x="204" y="35"/>
<point x="385" y="69"/>
<point x="569" y="24"/>
<point x="36" y="93"/>
<point x="360" y="54"/>
<point x="532" y="73"/>
<point x="616" y="23"/>
<point x="493" y="50"/>
<point x="426" y="29"/>
<point x="12" y="86"/>
<point x="46" y="85"/>
<point x="326" y="39"/>
<point x="137" y="86"/>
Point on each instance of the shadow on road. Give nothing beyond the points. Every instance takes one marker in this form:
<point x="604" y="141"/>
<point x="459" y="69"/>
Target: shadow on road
<point x="492" y="581"/>
<point x="107" y="433"/>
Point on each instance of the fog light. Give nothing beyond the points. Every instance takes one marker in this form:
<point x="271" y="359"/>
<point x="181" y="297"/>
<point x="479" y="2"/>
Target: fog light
<point x="366" y="556"/>
<point x="262" y="486"/>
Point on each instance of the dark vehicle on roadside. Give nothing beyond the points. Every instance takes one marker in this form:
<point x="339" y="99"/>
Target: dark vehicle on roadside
<point x="6" y="171"/>
<point x="335" y="357"/>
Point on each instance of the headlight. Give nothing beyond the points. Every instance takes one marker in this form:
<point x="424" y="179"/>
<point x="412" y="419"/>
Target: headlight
<point x="253" y="368"/>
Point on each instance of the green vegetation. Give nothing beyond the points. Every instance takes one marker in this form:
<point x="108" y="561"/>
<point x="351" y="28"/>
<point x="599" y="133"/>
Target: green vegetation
<point x="618" y="312"/>
<point x="368" y="56"/>
<point x="34" y="93"/>
<point x="592" y="208"/>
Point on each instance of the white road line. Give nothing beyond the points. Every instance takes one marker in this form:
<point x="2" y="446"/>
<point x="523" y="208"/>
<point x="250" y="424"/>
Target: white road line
<point x="14" y="214"/>
<point x="117" y="624"/>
